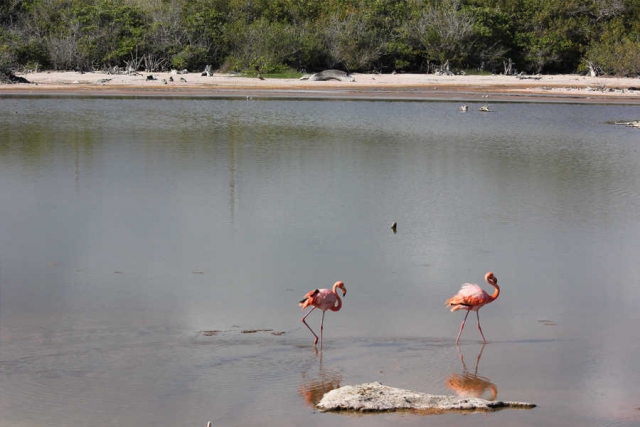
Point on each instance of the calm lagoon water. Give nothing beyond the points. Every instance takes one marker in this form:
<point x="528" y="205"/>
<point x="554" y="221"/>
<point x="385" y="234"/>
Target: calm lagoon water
<point x="130" y="226"/>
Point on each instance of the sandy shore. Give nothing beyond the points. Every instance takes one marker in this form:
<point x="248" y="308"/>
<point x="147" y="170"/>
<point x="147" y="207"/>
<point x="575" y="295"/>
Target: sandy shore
<point x="554" y="88"/>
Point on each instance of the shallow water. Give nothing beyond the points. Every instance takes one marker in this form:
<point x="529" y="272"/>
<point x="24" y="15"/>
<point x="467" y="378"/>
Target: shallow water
<point x="129" y="226"/>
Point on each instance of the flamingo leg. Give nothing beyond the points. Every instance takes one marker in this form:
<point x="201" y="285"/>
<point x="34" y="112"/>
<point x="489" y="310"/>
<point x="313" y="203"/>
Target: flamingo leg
<point x="462" y="327"/>
<point x="321" y="329"/>
<point x="480" y="327"/>
<point x="305" y="323"/>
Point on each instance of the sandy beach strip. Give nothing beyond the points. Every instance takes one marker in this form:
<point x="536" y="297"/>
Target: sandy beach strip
<point x="464" y="88"/>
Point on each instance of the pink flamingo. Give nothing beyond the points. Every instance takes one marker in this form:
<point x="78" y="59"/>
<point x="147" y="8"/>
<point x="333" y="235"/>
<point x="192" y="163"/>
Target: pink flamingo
<point x="472" y="297"/>
<point x="324" y="299"/>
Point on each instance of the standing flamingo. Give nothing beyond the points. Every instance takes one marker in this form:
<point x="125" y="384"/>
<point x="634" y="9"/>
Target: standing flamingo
<point x="324" y="299"/>
<point x="472" y="297"/>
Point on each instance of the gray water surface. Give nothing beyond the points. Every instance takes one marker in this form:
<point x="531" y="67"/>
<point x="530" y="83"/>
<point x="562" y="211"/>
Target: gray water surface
<point x="130" y="226"/>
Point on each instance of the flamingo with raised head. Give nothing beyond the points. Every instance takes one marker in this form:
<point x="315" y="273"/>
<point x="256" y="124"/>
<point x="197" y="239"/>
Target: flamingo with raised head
<point x="472" y="297"/>
<point x="324" y="299"/>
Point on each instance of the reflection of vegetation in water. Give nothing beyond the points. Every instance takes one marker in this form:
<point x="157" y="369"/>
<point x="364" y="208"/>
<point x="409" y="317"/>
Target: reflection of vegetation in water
<point x="33" y="146"/>
<point x="469" y="384"/>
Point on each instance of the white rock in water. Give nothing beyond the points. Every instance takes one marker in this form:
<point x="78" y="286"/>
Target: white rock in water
<point x="375" y="397"/>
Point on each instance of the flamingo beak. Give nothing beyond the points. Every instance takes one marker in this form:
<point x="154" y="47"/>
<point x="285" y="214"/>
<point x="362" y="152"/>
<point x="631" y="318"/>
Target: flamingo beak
<point x="344" y="292"/>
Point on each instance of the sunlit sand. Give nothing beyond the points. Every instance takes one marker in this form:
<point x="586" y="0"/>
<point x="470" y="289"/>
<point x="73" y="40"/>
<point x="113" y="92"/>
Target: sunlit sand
<point x="413" y="86"/>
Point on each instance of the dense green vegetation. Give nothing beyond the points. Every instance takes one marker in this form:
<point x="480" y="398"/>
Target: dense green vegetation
<point x="270" y="36"/>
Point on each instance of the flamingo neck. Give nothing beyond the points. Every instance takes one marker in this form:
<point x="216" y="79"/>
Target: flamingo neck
<point x="496" y="293"/>
<point x="338" y="305"/>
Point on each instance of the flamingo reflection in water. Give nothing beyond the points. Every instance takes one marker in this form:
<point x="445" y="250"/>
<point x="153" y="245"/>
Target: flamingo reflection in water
<point x="471" y="384"/>
<point x="313" y="388"/>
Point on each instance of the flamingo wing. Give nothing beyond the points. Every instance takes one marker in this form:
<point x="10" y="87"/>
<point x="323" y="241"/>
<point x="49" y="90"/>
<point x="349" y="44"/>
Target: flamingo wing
<point x="309" y="298"/>
<point x="324" y="299"/>
<point x="470" y="296"/>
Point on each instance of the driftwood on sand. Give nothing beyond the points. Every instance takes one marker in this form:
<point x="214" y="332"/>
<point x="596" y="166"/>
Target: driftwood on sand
<point x="375" y="397"/>
<point x="325" y="75"/>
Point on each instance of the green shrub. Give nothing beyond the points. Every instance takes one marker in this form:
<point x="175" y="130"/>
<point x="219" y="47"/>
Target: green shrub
<point x="621" y="58"/>
<point x="190" y="58"/>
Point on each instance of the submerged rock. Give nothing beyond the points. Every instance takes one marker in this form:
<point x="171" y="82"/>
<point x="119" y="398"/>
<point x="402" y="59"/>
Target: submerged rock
<point x="375" y="397"/>
<point x="635" y="123"/>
